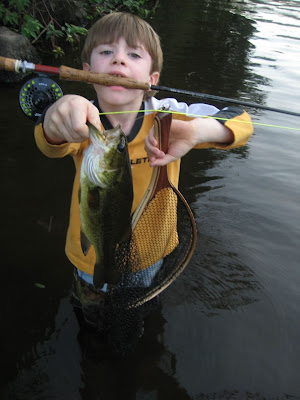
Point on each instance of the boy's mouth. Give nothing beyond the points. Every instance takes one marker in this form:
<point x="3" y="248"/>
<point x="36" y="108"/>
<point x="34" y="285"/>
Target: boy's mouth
<point x="117" y="74"/>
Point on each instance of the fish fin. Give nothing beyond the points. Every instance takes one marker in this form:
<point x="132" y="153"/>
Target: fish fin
<point x="127" y="235"/>
<point x="85" y="243"/>
<point x="98" y="279"/>
<point x="79" y="194"/>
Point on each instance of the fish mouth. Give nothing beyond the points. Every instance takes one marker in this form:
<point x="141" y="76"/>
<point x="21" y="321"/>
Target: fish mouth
<point x="100" y="135"/>
<point x="103" y="137"/>
<point x="113" y="134"/>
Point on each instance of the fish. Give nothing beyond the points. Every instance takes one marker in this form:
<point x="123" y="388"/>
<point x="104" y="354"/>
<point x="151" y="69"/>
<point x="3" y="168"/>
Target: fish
<point x="105" y="200"/>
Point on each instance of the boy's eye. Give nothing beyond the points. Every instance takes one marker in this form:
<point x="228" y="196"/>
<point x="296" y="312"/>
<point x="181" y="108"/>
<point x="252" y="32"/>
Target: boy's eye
<point x="134" y="55"/>
<point x="105" y="52"/>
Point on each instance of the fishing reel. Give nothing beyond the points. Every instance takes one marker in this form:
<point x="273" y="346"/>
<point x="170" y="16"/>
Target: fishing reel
<point x="38" y="93"/>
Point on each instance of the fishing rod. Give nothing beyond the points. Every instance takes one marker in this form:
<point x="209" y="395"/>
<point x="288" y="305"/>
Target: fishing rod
<point x="72" y="74"/>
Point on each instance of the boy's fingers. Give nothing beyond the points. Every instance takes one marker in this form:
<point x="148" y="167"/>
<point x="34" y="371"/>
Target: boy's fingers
<point x="153" y="152"/>
<point x="151" y="146"/>
<point x="78" y="128"/>
<point x="151" y="137"/>
<point x="66" y="119"/>
<point x="93" y="116"/>
<point x="75" y="128"/>
<point x="159" y="162"/>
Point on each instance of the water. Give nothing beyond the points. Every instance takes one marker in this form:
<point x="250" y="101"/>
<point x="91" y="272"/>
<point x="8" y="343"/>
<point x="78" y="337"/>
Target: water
<point x="229" y="326"/>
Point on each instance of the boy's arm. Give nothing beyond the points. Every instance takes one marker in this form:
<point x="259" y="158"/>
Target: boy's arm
<point x="238" y="122"/>
<point x="63" y="127"/>
<point x="227" y="129"/>
<point x="51" y="150"/>
<point x="65" y="120"/>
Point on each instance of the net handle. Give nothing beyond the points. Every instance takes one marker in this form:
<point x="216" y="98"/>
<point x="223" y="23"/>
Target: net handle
<point x="159" y="181"/>
<point x="162" y="127"/>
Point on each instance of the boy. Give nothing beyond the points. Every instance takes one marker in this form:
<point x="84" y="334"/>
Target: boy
<point x="124" y="45"/>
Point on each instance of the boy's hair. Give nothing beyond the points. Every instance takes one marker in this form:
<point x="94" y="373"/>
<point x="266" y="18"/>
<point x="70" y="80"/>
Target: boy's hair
<point x="111" y="27"/>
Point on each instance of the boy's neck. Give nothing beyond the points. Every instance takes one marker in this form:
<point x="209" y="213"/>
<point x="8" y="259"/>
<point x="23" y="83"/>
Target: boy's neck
<point x="125" y="119"/>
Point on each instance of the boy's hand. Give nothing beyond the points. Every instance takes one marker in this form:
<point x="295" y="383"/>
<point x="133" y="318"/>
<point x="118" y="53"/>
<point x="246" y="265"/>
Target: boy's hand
<point x="185" y="135"/>
<point x="182" y="139"/>
<point x="65" y="120"/>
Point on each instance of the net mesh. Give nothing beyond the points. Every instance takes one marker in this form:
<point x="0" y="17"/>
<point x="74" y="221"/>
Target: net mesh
<point x="160" y="247"/>
<point x="129" y="303"/>
<point x="165" y="231"/>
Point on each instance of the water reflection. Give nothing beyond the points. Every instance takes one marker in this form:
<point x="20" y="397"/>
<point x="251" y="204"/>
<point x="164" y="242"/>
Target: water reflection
<point x="217" y="278"/>
<point x="228" y="327"/>
<point x="150" y="373"/>
<point x="194" y="177"/>
<point x="211" y="47"/>
<point x="84" y="360"/>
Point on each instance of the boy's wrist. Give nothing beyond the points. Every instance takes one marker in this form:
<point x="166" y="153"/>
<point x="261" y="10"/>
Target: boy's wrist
<point x="52" y="140"/>
<point x="50" y="137"/>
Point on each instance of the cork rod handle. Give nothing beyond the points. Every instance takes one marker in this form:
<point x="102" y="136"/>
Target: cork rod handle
<point x="72" y="74"/>
<point x="8" y="64"/>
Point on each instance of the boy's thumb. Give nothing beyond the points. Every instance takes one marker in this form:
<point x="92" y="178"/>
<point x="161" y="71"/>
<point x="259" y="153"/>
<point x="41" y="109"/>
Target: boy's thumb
<point x="93" y="116"/>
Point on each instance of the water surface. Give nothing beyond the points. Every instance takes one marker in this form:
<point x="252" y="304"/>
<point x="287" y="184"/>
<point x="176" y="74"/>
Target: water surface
<point x="229" y="326"/>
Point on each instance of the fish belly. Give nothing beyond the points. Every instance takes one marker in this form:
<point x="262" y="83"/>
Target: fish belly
<point x="106" y="222"/>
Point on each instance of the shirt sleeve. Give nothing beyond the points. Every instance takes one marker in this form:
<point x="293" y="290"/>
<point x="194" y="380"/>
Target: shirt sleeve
<point x="238" y="121"/>
<point x="55" y="151"/>
<point x="234" y="118"/>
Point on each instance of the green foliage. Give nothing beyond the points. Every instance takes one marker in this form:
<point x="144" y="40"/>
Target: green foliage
<point x="30" y="27"/>
<point x="43" y="21"/>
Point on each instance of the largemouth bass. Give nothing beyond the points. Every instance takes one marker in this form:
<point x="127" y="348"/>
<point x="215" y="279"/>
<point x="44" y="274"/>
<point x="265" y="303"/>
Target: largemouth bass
<point x="105" y="200"/>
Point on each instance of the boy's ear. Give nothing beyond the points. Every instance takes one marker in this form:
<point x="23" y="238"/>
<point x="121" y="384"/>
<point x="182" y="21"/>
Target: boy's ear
<point x="86" y="66"/>
<point x="154" y="77"/>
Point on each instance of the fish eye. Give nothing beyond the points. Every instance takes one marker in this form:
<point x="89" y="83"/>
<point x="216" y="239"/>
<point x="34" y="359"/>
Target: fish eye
<point x="121" y="145"/>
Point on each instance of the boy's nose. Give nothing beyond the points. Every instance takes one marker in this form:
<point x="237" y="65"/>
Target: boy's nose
<point x="119" y="58"/>
<point x="119" y="62"/>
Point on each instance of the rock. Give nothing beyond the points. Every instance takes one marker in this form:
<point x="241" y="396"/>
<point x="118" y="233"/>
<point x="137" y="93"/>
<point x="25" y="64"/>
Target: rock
<point x="16" y="46"/>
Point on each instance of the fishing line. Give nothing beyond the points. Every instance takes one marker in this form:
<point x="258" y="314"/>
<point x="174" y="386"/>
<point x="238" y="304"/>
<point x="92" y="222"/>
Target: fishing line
<point x="39" y="92"/>
<point x="200" y="116"/>
<point x="71" y="74"/>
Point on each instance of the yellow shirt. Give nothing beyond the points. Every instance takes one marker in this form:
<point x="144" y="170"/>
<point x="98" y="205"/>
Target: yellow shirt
<point x="141" y="173"/>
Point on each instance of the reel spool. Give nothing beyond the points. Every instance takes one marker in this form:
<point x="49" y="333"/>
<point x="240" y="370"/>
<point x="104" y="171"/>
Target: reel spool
<point x="38" y="93"/>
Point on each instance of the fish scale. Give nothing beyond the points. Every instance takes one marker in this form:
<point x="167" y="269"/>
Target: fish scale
<point x="105" y="200"/>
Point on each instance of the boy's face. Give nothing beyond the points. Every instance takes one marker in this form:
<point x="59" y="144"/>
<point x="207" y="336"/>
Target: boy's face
<point x="119" y="59"/>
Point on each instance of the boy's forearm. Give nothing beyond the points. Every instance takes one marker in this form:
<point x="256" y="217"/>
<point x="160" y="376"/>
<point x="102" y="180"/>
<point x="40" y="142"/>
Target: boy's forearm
<point x="52" y="150"/>
<point x="211" y="131"/>
<point x="65" y="121"/>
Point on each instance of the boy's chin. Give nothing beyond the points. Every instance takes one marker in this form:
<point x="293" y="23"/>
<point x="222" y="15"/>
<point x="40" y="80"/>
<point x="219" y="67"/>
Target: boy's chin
<point x="119" y="98"/>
